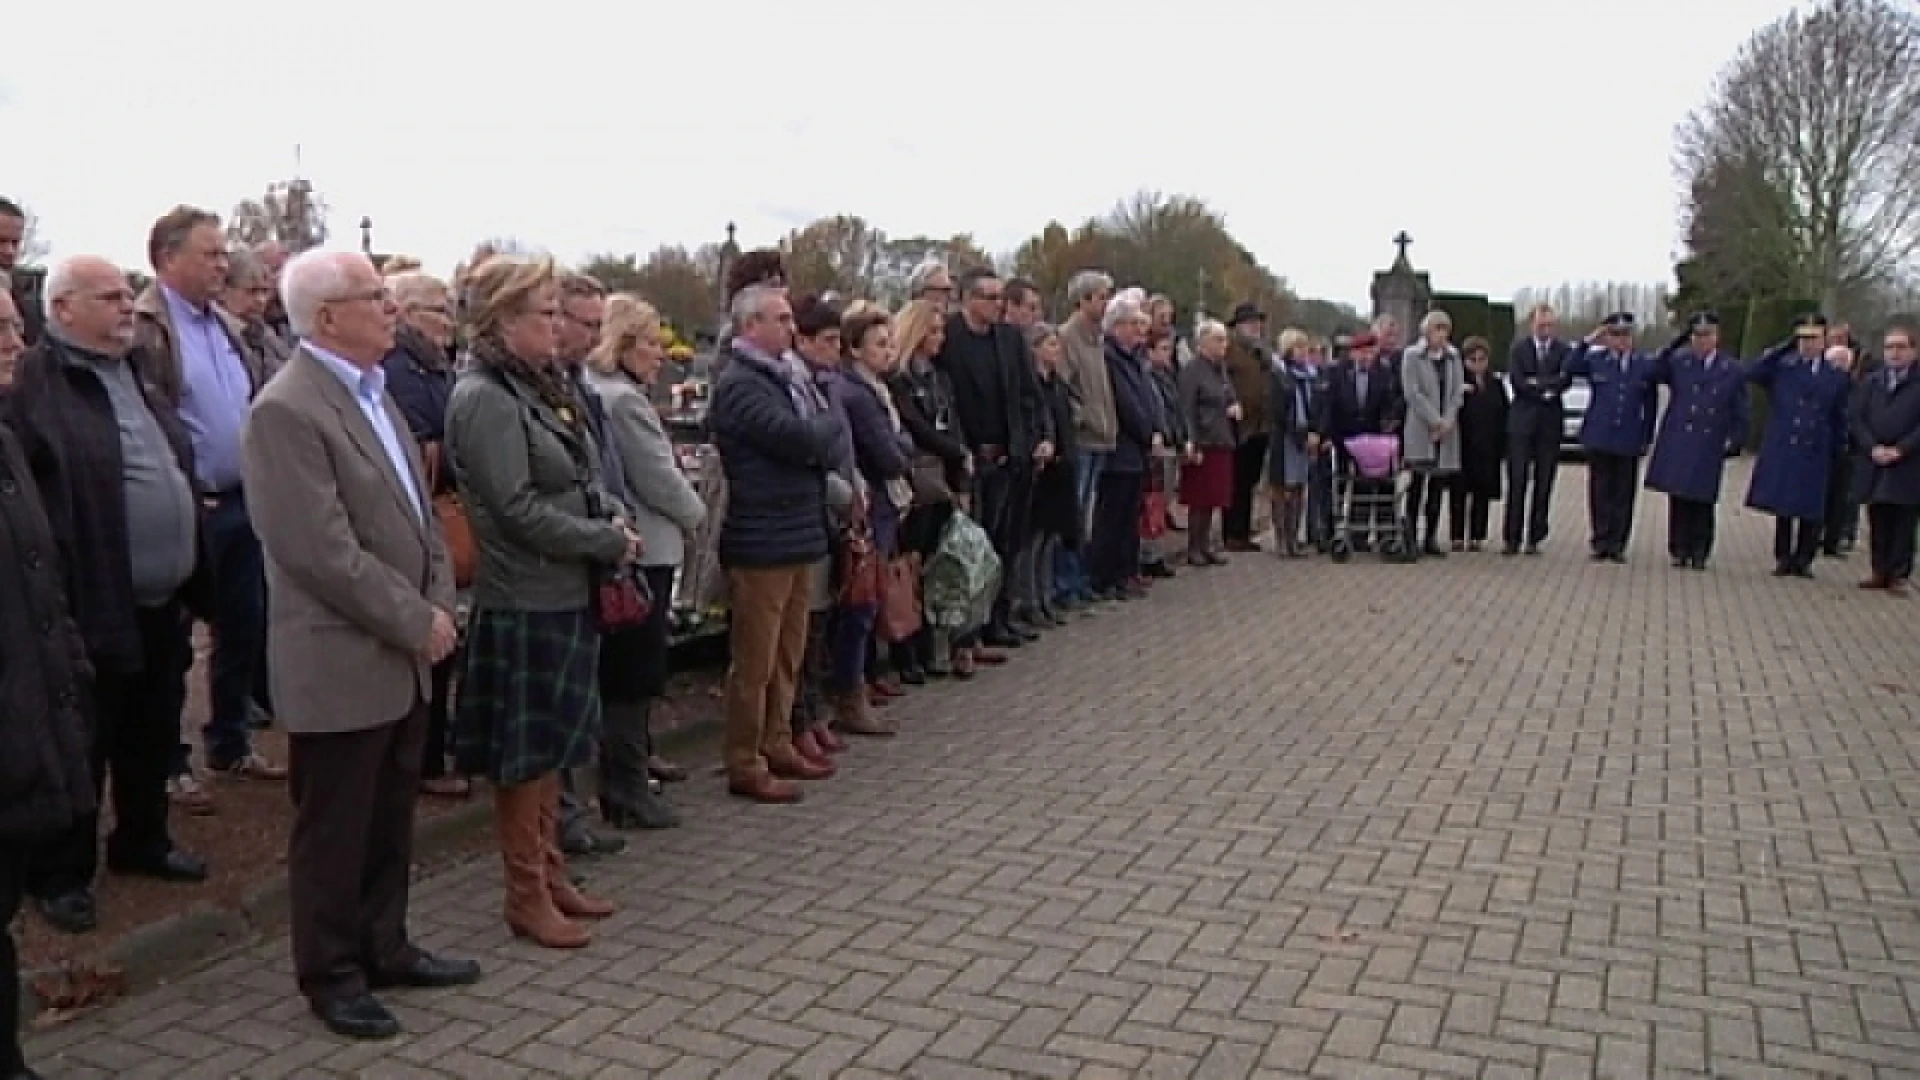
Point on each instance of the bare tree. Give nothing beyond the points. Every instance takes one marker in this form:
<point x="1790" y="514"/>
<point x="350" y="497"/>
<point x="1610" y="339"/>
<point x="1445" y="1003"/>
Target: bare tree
<point x="291" y="214"/>
<point x="33" y="247"/>
<point x="1808" y="150"/>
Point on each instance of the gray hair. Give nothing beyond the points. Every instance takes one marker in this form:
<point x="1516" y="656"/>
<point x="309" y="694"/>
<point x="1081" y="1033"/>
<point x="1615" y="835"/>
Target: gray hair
<point x="1208" y="328"/>
<point x="923" y="276"/>
<point x="749" y="302"/>
<point x="1120" y="309"/>
<point x="1434" y="319"/>
<point x="63" y="279"/>
<point x="1088" y="283"/>
<point x="244" y="268"/>
<point x="310" y="280"/>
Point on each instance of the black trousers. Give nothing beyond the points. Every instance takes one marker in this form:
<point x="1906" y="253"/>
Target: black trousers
<point x="136" y="733"/>
<point x="1003" y="505"/>
<point x="1890" y="536"/>
<point x="1795" y="542"/>
<point x="1843" y="514"/>
<point x="1467" y="512"/>
<point x="1249" y="460"/>
<point x="14" y="858"/>
<point x="1533" y="461"/>
<point x="351" y="853"/>
<point x="1690" y="528"/>
<point x="1114" y="556"/>
<point x="1425" y="493"/>
<point x="433" y="760"/>
<point x="1612" y="480"/>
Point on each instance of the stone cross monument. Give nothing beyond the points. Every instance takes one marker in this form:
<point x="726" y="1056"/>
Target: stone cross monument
<point x="1401" y="291"/>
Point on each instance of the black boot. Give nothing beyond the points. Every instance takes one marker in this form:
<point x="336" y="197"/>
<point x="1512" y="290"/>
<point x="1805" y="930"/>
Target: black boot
<point x="628" y="798"/>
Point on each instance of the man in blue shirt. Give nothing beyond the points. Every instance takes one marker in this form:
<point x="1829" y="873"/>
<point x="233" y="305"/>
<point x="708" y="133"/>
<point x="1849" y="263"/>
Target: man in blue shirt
<point x="194" y="355"/>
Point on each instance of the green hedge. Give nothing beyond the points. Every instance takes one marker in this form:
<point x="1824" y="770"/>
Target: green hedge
<point x="1474" y="315"/>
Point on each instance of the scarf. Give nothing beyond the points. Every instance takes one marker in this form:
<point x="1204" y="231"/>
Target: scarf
<point x="549" y="384"/>
<point x="899" y="488"/>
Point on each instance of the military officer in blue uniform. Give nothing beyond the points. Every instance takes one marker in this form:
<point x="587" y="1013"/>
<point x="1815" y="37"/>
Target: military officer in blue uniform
<point x="1706" y="420"/>
<point x="1807" y="396"/>
<point x="1617" y="428"/>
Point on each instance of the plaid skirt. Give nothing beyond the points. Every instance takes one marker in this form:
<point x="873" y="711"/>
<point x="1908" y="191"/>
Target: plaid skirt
<point x="529" y="696"/>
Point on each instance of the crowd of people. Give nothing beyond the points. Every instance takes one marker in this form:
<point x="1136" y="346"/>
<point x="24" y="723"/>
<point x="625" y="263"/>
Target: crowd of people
<point x="434" y="528"/>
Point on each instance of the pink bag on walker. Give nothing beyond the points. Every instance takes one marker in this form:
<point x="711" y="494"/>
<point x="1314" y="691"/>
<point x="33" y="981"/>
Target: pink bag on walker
<point x="1374" y="456"/>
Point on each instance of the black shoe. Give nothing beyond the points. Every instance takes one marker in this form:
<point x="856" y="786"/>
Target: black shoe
<point x="646" y="810"/>
<point x="361" y="1017"/>
<point x="913" y="676"/>
<point x="1433" y="551"/>
<point x="1600" y="556"/>
<point x="1800" y="571"/>
<point x="1699" y="562"/>
<point x="1510" y="550"/>
<point x="175" y="866"/>
<point x="1533" y="549"/>
<point x="1681" y="562"/>
<point x="427" y="972"/>
<point x="1617" y="557"/>
<point x="1782" y="570"/>
<point x="1001" y="637"/>
<point x="580" y="841"/>
<point x="69" y="912"/>
<point x="1157" y="570"/>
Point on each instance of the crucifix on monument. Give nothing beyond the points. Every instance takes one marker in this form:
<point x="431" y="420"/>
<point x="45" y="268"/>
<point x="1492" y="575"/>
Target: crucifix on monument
<point x="1401" y="291"/>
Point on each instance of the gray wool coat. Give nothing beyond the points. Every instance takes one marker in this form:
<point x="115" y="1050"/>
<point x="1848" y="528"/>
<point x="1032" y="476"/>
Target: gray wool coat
<point x="1432" y="396"/>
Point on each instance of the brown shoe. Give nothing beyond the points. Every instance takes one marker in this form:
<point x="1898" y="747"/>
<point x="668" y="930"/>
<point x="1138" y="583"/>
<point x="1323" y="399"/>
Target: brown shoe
<point x="525" y="838"/>
<point x="1897" y="587"/>
<point x="1876" y="582"/>
<point x="787" y="764"/>
<point x="990" y="657"/>
<point x="567" y="897"/>
<point x="853" y="714"/>
<point x="764" y="788"/>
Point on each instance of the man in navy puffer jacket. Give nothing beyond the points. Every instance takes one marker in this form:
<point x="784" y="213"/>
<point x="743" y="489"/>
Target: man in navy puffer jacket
<point x="773" y="433"/>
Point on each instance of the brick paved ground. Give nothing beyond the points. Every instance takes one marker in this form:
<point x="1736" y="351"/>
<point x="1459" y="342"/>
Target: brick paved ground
<point x="1488" y="818"/>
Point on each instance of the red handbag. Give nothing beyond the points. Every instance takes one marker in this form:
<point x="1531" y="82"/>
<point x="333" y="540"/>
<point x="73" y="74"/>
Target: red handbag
<point x="1153" y="513"/>
<point x="621" y="600"/>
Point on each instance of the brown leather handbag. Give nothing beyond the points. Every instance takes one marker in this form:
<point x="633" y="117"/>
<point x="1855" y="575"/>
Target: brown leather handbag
<point x="900" y="599"/>
<point x="861" y="581"/>
<point x="451" y="513"/>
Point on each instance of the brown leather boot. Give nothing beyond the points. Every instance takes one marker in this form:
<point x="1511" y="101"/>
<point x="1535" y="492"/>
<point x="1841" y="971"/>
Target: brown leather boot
<point x="567" y="897"/>
<point x="763" y="788"/>
<point x="854" y="715"/>
<point x="525" y="835"/>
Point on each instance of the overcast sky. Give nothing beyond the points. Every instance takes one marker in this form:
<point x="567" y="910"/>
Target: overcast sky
<point x="1520" y="142"/>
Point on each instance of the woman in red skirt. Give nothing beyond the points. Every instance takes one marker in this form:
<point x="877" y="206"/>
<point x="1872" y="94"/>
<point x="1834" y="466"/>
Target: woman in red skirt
<point x="1211" y="417"/>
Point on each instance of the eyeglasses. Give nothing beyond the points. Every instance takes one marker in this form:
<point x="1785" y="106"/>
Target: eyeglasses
<point x="378" y="296"/>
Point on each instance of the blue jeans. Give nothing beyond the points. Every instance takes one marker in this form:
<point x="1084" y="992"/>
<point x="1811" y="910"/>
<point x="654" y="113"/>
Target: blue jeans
<point x="1070" y="578"/>
<point x="239" y="675"/>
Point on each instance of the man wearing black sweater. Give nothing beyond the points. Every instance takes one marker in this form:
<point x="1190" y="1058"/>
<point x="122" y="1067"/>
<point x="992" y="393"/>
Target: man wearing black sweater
<point x="1008" y="427"/>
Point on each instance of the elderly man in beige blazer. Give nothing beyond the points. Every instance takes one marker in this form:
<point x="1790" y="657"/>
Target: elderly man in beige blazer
<point x="361" y="599"/>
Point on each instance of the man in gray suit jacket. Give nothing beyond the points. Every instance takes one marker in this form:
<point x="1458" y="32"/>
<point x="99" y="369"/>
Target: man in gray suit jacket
<point x="361" y="602"/>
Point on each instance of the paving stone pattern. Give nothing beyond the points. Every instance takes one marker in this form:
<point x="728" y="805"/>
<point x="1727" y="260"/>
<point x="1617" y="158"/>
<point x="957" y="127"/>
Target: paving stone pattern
<point x="1482" y="818"/>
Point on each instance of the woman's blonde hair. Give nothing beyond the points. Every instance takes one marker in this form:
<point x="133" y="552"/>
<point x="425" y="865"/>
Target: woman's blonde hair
<point x="916" y="322"/>
<point x="1294" y="341"/>
<point x="503" y="287"/>
<point x="629" y="321"/>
